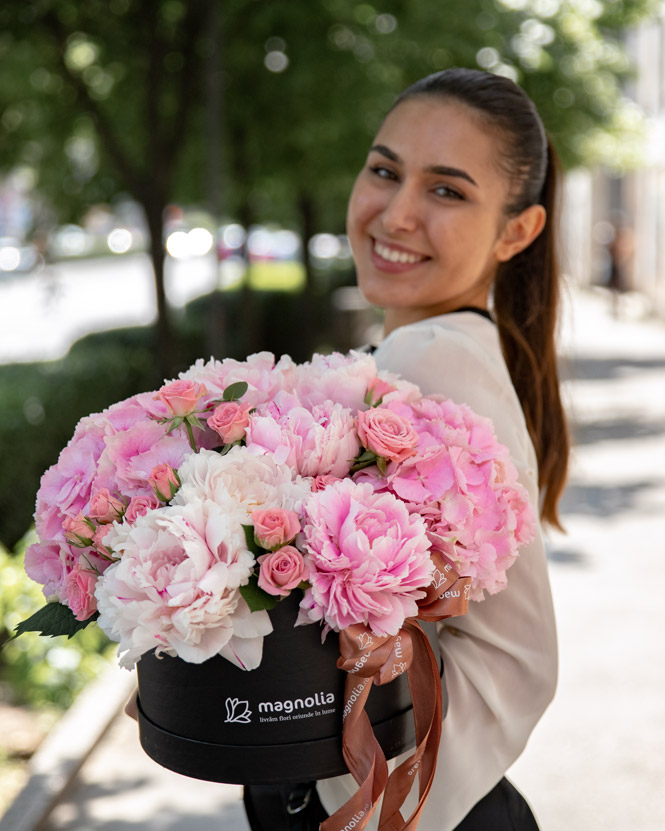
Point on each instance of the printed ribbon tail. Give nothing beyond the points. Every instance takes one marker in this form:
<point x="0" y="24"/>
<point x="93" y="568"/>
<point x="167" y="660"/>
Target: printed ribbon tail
<point x="364" y="758"/>
<point x="426" y="694"/>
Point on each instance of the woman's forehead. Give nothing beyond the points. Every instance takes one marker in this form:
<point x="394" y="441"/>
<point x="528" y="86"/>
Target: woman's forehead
<point x="429" y="132"/>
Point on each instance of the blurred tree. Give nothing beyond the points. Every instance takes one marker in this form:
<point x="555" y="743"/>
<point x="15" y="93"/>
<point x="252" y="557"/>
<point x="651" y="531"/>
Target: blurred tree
<point x="102" y="97"/>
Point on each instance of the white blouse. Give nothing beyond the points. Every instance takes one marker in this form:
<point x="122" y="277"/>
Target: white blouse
<point x="501" y="658"/>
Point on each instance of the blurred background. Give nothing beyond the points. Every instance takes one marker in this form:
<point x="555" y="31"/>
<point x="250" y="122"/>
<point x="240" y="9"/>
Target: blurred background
<point x="173" y="184"/>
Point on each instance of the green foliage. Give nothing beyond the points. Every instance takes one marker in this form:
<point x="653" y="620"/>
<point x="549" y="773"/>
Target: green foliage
<point x="41" y="671"/>
<point x="54" y="620"/>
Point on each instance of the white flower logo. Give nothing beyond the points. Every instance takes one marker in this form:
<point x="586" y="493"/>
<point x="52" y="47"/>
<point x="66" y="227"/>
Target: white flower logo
<point x="398" y="669"/>
<point x="439" y="578"/>
<point x="365" y="640"/>
<point x="237" y="711"/>
<point x="467" y="590"/>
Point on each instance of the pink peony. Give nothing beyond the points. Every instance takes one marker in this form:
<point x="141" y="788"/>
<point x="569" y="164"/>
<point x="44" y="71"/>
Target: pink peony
<point x="229" y="420"/>
<point x="80" y="588"/>
<point x="164" y="481"/>
<point x="104" y="507"/>
<point x="281" y="570"/>
<point x="368" y="559"/>
<point x="387" y="434"/>
<point x="315" y="442"/>
<point x="181" y="398"/>
<point x="343" y="379"/>
<point x="274" y="527"/>
<point x="321" y="482"/>
<point x="176" y="587"/>
<point x="140" y="505"/>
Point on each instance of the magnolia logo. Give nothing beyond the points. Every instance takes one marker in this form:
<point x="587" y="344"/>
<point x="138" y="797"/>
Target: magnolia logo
<point x="365" y="640"/>
<point x="398" y="669"/>
<point x="439" y="579"/>
<point x="467" y="591"/>
<point x="237" y="712"/>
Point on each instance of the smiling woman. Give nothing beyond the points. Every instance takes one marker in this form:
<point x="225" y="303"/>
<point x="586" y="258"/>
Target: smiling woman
<point x="451" y="222"/>
<point x="426" y="219"/>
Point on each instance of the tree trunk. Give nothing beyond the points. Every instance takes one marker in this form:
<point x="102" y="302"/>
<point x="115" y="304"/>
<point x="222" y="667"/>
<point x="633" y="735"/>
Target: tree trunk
<point x="164" y="346"/>
<point x="309" y="330"/>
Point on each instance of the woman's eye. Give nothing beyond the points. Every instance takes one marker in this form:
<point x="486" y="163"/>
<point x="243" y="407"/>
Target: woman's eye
<point x="447" y="192"/>
<point x="382" y="172"/>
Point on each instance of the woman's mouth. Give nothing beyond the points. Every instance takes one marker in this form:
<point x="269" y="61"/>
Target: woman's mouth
<point x="391" y="258"/>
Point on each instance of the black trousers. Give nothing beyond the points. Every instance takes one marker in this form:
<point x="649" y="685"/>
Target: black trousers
<point x="298" y="808"/>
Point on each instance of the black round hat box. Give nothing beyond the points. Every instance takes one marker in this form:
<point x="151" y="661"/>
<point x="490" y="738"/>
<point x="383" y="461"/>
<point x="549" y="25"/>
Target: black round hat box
<point x="279" y="723"/>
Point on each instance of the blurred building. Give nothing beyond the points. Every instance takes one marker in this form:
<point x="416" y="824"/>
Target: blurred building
<point x="614" y="226"/>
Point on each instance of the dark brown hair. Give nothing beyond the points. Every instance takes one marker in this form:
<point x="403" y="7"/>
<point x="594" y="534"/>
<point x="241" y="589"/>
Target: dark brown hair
<point x="526" y="288"/>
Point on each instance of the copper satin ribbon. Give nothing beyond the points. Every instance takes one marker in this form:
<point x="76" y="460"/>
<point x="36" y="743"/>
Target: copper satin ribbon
<point x="368" y="658"/>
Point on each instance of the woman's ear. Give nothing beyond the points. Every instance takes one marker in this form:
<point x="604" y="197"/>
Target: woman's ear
<point x="519" y="232"/>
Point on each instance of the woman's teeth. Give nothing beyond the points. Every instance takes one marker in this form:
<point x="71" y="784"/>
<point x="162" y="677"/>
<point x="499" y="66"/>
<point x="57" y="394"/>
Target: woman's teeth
<point x="394" y="256"/>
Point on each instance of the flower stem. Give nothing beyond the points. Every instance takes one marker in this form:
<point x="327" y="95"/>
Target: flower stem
<point x="190" y="435"/>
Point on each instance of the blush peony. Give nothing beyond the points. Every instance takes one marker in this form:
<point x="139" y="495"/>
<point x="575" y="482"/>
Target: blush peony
<point x="176" y="588"/>
<point x="368" y="559"/>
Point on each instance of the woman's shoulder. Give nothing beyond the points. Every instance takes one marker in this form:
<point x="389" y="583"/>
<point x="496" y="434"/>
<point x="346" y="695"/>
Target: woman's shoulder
<point x="446" y="350"/>
<point x="459" y="356"/>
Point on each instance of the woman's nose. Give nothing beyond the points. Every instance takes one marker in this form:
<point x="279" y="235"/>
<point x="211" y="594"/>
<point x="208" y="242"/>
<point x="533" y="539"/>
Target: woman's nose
<point x="402" y="212"/>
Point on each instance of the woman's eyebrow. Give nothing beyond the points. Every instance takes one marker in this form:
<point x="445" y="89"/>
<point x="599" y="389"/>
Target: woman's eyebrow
<point x="440" y="170"/>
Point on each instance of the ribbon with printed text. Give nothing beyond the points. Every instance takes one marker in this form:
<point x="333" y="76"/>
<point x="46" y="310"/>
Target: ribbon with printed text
<point x="369" y="658"/>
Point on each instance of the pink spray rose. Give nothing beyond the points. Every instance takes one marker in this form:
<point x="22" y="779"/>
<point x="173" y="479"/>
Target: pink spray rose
<point x="387" y="434"/>
<point x="230" y="420"/>
<point x="377" y="389"/>
<point x="164" y="481"/>
<point x="321" y="482"/>
<point x="80" y="587"/>
<point x="140" y="505"/>
<point x="274" y="527"/>
<point x="78" y="530"/>
<point x="98" y="540"/>
<point x="181" y="397"/>
<point x="104" y="507"/>
<point x="368" y="559"/>
<point x="281" y="570"/>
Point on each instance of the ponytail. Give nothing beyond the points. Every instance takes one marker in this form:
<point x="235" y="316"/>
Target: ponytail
<point x="526" y="301"/>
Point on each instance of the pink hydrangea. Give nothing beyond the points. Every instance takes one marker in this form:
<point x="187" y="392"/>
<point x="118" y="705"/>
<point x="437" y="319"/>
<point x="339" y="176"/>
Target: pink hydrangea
<point x="49" y="563"/>
<point x="368" y="558"/>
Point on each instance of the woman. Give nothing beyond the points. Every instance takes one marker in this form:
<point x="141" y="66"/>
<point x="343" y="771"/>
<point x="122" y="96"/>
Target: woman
<point x="453" y="215"/>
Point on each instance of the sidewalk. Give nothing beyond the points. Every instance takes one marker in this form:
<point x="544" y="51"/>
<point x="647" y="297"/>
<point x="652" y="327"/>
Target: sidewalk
<point x="597" y="759"/>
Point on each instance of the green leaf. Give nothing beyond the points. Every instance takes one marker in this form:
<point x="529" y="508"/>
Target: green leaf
<point x="256" y="598"/>
<point x="235" y="391"/>
<point x="52" y="620"/>
<point x="251" y="542"/>
<point x="381" y="464"/>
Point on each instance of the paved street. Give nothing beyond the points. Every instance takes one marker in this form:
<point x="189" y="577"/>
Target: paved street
<point x="597" y="759"/>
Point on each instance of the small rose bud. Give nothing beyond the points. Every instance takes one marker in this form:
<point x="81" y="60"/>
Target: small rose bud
<point x="164" y="481"/>
<point x="140" y="505"/>
<point x="274" y="527"/>
<point x="181" y="397"/>
<point x="105" y="508"/>
<point x="78" y="530"/>
<point x="229" y="420"/>
<point x="281" y="570"/>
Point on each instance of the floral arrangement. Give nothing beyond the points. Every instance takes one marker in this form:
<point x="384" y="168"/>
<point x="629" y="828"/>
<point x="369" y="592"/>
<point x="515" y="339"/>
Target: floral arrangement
<point x="177" y="519"/>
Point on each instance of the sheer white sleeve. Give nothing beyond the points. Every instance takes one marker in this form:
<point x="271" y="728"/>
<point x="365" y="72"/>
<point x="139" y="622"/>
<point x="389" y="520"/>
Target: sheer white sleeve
<point x="500" y="659"/>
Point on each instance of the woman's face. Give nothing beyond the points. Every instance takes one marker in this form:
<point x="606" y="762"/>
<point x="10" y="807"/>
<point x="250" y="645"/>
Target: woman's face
<point x="425" y="217"/>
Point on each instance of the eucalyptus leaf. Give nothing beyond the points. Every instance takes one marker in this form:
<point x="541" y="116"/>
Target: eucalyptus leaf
<point x="235" y="391"/>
